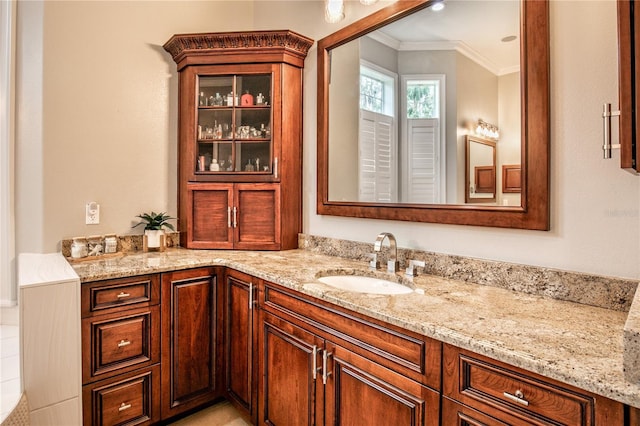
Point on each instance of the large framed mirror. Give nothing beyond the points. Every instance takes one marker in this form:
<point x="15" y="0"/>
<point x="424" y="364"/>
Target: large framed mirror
<point x="395" y="107"/>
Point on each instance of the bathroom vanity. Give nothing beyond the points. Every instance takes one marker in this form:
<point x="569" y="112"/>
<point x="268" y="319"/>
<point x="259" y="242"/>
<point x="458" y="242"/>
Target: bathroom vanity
<point x="248" y="325"/>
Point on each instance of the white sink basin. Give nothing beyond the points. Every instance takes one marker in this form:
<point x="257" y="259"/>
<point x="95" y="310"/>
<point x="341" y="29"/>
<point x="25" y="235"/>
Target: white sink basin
<point x="359" y="284"/>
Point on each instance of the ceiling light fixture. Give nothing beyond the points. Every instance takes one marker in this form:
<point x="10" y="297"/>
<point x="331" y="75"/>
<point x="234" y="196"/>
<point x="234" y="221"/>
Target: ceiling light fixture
<point x="368" y="2"/>
<point x="333" y="11"/>
<point x="437" y="7"/>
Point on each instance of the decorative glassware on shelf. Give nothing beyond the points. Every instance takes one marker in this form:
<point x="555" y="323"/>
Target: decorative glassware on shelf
<point x="234" y="124"/>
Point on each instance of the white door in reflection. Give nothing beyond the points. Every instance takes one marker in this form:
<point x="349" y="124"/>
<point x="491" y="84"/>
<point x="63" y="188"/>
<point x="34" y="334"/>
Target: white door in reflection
<point x="423" y="139"/>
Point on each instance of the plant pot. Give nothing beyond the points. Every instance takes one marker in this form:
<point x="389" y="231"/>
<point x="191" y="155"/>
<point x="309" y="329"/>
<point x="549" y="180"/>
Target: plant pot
<point x="154" y="240"/>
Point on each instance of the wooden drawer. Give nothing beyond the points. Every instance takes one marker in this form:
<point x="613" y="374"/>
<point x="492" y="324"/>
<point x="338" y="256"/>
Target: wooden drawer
<point x="455" y="414"/>
<point x="113" y="344"/>
<point x="131" y="399"/>
<point x="116" y="295"/>
<point x="407" y="353"/>
<point x="503" y="391"/>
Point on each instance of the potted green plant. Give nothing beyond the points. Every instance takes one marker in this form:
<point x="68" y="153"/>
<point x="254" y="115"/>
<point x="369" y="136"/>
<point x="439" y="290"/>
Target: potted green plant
<point x="154" y="224"/>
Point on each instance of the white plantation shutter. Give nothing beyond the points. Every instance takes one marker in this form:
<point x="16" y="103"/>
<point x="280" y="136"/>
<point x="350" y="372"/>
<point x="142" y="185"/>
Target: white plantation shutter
<point x="377" y="162"/>
<point x="423" y="161"/>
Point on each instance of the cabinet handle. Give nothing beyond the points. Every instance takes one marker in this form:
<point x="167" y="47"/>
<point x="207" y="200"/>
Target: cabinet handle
<point x="315" y="361"/>
<point x="275" y="167"/>
<point x="518" y="397"/>
<point x="250" y="296"/>
<point x="607" y="146"/>
<point x="325" y="373"/>
<point x="122" y="294"/>
<point x="235" y="218"/>
<point x="124" y="406"/>
<point x="228" y="217"/>
<point x="124" y="343"/>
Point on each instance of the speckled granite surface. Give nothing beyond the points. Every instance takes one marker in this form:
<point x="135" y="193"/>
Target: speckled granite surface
<point x="575" y="343"/>
<point x="605" y="292"/>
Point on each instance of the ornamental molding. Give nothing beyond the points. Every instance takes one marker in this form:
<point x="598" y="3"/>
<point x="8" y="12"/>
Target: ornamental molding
<point x="181" y="45"/>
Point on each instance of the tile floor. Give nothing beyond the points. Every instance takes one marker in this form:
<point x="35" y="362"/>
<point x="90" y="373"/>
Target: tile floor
<point x="221" y="414"/>
<point x="9" y="368"/>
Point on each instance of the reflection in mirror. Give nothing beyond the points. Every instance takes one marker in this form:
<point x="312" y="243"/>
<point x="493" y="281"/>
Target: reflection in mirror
<point x="394" y="112"/>
<point x="402" y="99"/>
<point x="480" y="173"/>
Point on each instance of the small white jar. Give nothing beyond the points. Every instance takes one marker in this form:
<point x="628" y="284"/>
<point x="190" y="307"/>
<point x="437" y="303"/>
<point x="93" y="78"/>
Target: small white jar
<point x="79" y="248"/>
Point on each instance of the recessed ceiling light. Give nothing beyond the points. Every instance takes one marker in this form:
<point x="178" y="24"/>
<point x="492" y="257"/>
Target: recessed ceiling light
<point x="508" y="38"/>
<point x="437" y="6"/>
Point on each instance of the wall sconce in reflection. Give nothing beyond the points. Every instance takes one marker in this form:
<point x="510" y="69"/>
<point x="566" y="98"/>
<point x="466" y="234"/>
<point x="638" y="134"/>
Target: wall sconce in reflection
<point x="487" y="130"/>
<point x="333" y="11"/>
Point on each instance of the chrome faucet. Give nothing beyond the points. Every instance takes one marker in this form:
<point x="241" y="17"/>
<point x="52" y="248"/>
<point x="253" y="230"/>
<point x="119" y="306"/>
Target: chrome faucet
<point x="392" y="262"/>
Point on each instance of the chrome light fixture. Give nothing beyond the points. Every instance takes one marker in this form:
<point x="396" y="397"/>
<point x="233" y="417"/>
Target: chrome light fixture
<point x="487" y="130"/>
<point x="368" y="2"/>
<point x="333" y="11"/>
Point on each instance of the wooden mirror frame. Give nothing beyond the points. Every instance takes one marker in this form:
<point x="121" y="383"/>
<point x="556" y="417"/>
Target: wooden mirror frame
<point x="533" y="213"/>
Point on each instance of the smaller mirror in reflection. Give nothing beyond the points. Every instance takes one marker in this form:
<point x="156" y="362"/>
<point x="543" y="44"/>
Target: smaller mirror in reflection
<point x="480" y="170"/>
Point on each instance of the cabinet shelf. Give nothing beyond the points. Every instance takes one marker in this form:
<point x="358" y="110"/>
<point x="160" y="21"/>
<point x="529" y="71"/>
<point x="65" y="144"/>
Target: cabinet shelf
<point x="237" y="107"/>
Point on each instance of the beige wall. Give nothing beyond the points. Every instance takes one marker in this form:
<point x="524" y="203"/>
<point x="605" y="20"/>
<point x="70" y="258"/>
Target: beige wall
<point x="119" y="150"/>
<point x="97" y="108"/>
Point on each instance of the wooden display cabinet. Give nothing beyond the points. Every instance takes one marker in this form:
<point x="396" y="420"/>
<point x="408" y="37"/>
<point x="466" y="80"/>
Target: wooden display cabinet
<point x="240" y="138"/>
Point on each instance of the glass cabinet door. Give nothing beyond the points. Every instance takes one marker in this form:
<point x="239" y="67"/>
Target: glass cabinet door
<point x="234" y="124"/>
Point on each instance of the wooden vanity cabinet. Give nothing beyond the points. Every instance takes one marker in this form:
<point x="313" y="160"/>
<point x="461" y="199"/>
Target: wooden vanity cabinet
<point x="326" y="365"/>
<point x="240" y="138"/>
<point x="241" y="342"/>
<point x="191" y="339"/>
<point x="121" y="351"/>
<point x="479" y="390"/>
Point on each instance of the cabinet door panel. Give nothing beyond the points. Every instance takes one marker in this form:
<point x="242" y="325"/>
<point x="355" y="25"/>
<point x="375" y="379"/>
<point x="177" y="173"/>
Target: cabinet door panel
<point x="258" y="212"/>
<point x="359" y="390"/>
<point x="189" y="339"/>
<point x="209" y="224"/>
<point x="239" y="341"/>
<point x="291" y="395"/>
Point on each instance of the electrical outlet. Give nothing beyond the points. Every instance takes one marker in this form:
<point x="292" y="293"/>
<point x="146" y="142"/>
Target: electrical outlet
<point x="92" y="213"/>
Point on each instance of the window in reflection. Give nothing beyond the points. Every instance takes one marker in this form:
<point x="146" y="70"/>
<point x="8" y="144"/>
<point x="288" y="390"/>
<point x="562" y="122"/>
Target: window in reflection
<point x="377" y="141"/>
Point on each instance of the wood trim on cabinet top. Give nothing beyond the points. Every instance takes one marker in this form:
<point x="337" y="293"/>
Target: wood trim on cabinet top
<point x="239" y="47"/>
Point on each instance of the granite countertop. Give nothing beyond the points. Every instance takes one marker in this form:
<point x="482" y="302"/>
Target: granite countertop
<point x="574" y="343"/>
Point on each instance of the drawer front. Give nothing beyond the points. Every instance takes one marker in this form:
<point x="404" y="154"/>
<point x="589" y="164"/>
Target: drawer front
<point x="121" y="342"/>
<point x="120" y="294"/>
<point x="412" y="355"/>
<point x="490" y="385"/>
<point x="130" y="400"/>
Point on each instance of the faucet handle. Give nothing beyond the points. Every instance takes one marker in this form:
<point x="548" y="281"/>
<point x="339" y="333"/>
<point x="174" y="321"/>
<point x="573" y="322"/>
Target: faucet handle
<point x="374" y="263"/>
<point x="413" y="264"/>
